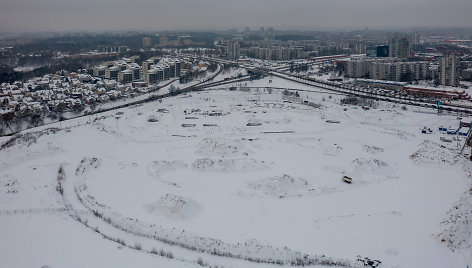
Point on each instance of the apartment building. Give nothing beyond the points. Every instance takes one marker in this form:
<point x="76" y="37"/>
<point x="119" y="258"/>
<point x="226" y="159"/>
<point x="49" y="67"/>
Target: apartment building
<point x="232" y="50"/>
<point x="156" y="69"/>
<point x="399" y="46"/>
<point x="388" y="69"/>
<point x="449" y="70"/>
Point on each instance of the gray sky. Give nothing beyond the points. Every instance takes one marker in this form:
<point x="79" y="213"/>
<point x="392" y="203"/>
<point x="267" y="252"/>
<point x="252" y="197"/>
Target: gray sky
<point x="90" y="15"/>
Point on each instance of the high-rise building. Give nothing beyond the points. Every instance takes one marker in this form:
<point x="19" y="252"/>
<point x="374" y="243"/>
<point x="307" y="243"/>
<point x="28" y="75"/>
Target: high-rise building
<point x="164" y="40"/>
<point x="399" y="46"/>
<point x="371" y="51"/>
<point x="382" y="51"/>
<point x="232" y="50"/>
<point x="416" y="38"/>
<point x="449" y="70"/>
<point x="357" y="68"/>
<point x="147" y="42"/>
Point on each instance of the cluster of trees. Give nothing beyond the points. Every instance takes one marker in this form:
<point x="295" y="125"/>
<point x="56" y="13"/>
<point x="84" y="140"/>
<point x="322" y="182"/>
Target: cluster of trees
<point x="287" y="92"/>
<point x="298" y="67"/>
<point x="186" y="78"/>
<point x="190" y="76"/>
<point x="256" y="75"/>
<point x="48" y="66"/>
<point x="340" y="68"/>
<point x="15" y="122"/>
<point x="359" y="101"/>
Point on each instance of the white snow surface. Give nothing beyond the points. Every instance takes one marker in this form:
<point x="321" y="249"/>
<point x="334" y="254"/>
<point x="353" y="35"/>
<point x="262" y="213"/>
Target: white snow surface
<point x="270" y="192"/>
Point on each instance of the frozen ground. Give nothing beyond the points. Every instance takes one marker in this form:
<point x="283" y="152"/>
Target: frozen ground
<point x="122" y="190"/>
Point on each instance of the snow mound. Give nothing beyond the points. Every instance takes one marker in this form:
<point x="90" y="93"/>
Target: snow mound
<point x="372" y="149"/>
<point x="434" y="153"/>
<point x="227" y="165"/>
<point x="175" y="207"/>
<point x="86" y="164"/>
<point x="219" y="147"/>
<point x="158" y="168"/>
<point x="126" y="164"/>
<point x="8" y="187"/>
<point x="280" y="186"/>
<point x="361" y="166"/>
<point x="457" y="232"/>
<point x="332" y="149"/>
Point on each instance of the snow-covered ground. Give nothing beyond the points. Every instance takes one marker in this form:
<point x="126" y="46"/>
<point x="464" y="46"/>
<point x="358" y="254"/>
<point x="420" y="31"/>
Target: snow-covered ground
<point x="233" y="178"/>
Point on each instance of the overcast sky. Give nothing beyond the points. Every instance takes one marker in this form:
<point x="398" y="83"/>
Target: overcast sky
<point x="98" y="15"/>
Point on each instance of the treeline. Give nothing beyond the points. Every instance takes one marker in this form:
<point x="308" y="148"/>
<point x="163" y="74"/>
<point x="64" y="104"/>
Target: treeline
<point x="49" y="66"/>
<point x="77" y="43"/>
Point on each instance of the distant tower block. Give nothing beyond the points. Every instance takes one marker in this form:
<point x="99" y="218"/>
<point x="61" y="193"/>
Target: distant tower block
<point x="147" y="42"/>
<point x="399" y="46"/>
<point x="164" y="40"/>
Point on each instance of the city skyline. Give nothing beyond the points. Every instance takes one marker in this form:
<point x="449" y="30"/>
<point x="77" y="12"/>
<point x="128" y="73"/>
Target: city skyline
<point x="107" y="15"/>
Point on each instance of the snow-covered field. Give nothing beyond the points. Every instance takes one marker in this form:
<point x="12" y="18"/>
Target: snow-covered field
<point x="231" y="178"/>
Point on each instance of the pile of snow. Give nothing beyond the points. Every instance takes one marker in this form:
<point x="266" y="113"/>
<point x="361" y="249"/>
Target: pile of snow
<point x="372" y="149"/>
<point x="175" y="207"/>
<point x="219" y="147"/>
<point x="332" y="149"/>
<point x="457" y="226"/>
<point x="86" y="164"/>
<point x="279" y="186"/>
<point x="433" y="153"/>
<point x="8" y="186"/>
<point x="362" y="166"/>
<point x="227" y="165"/>
<point x="158" y="168"/>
